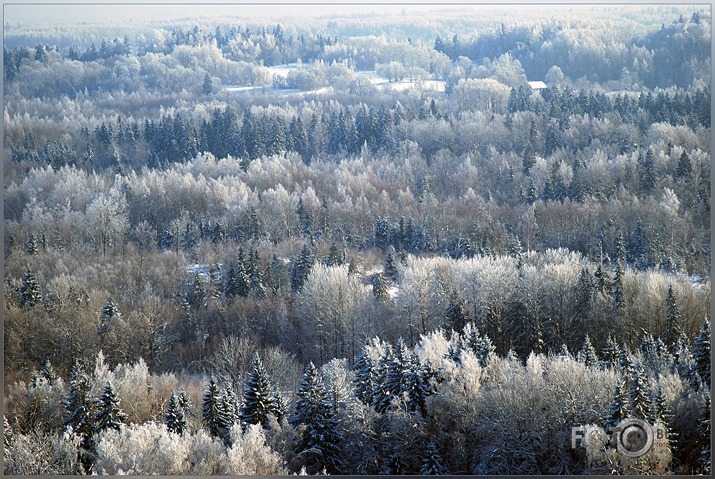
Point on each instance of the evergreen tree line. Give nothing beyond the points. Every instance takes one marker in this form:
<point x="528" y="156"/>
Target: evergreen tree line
<point x="359" y="426"/>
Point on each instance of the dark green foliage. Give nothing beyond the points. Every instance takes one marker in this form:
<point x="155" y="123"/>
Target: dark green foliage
<point x="207" y="87"/>
<point x="260" y="399"/>
<point x="587" y="354"/>
<point x="640" y="406"/>
<point x="701" y="352"/>
<point x="456" y="311"/>
<point x="216" y="421"/>
<point x="365" y="380"/>
<point x="301" y="267"/>
<point x="31" y="245"/>
<point x="29" y="293"/>
<point x="390" y="267"/>
<point x="175" y="416"/>
<point x="618" y="409"/>
<point x="81" y="410"/>
<point x="379" y="287"/>
<point x="109" y="415"/>
<point x="315" y="411"/>
<point x="673" y="320"/>
<point x="432" y="462"/>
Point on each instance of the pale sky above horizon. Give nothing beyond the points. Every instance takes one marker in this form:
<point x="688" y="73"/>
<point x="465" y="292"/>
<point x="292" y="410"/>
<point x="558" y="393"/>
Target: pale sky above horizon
<point x="48" y="14"/>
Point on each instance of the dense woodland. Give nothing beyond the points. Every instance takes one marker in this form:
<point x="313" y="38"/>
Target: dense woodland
<point x="329" y="274"/>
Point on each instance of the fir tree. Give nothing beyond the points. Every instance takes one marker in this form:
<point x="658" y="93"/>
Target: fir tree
<point x="197" y="296"/>
<point x="432" y="463"/>
<point x="364" y="381"/>
<point x="379" y="287"/>
<point x="109" y="416"/>
<point x="29" y="293"/>
<point x="207" y="87"/>
<point x="619" y="301"/>
<point x="685" y="167"/>
<point x="260" y="399"/>
<point x="704" y="446"/>
<point x="316" y="412"/>
<point x="640" y="401"/>
<point x="301" y="268"/>
<point x="610" y="353"/>
<point x="390" y="267"/>
<point x="701" y="352"/>
<point x="81" y="413"/>
<point x="175" y="417"/>
<point x="587" y="355"/>
<point x="31" y="245"/>
<point x="214" y="289"/>
<point x="214" y="416"/>
<point x="672" y="321"/>
<point x="618" y="409"/>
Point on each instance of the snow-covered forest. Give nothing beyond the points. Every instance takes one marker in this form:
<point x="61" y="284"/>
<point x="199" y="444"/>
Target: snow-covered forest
<point x="415" y="243"/>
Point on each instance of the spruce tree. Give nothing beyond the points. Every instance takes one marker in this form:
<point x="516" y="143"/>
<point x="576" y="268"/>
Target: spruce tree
<point x="618" y="409"/>
<point x="456" y="311"/>
<point x="31" y="245"/>
<point x="619" y="301"/>
<point x="315" y="410"/>
<point x="703" y="444"/>
<point x="379" y="287"/>
<point x="701" y="352"/>
<point x="81" y="413"/>
<point x="685" y="167"/>
<point x="301" y="268"/>
<point x="260" y="399"/>
<point x="390" y="267"/>
<point x="672" y="321"/>
<point x="214" y="416"/>
<point x="587" y="355"/>
<point x="109" y="415"/>
<point x="432" y="463"/>
<point x="364" y="382"/>
<point x="640" y="400"/>
<point x="610" y="353"/>
<point x="29" y="292"/>
<point x="175" y="417"/>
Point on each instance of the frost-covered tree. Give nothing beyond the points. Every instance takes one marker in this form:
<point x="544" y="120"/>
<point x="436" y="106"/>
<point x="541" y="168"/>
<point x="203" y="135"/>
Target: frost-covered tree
<point x="701" y="352"/>
<point x="214" y="416"/>
<point x="587" y="354"/>
<point x="31" y="245"/>
<point x="364" y="382"/>
<point x="175" y="416"/>
<point x="672" y="321"/>
<point x="81" y="411"/>
<point x="109" y="415"/>
<point x="618" y="409"/>
<point x="640" y="406"/>
<point x="379" y="287"/>
<point x="320" y="440"/>
<point x="109" y="314"/>
<point x="260" y="398"/>
<point x="432" y="464"/>
<point x="29" y="292"/>
<point x="705" y="457"/>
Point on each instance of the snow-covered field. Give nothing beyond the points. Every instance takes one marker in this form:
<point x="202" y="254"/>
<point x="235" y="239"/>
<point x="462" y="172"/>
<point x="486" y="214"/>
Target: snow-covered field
<point x="372" y="76"/>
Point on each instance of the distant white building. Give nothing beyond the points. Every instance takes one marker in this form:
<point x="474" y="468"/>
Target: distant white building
<point x="537" y="85"/>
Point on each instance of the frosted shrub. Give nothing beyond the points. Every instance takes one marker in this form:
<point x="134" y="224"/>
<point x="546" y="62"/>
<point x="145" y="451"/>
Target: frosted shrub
<point x="140" y="450"/>
<point x="249" y="454"/>
<point x="38" y="453"/>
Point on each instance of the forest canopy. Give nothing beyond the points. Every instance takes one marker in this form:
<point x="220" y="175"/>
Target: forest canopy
<point x="357" y="244"/>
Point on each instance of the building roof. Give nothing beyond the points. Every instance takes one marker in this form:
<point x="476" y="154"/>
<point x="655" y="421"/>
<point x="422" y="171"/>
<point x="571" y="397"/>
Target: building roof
<point x="537" y="85"/>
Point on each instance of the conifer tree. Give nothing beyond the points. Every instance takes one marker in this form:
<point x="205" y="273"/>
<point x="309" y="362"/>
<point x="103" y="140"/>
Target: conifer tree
<point x="456" y="311"/>
<point x="587" y="355"/>
<point x="379" y="287"/>
<point x="672" y="321"/>
<point x="31" y="245"/>
<point x="701" y="352"/>
<point x="109" y="415"/>
<point x="214" y="416"/>
<point x="619" y="301"/>
<point x="175" y="417"/>
<point x="364" y="381"/>
<point x="640" y="400"/>
<point x="315" y="410"/>
<point x="260" y="399"/>
<point x="81" y="413"/>
<point x="29" y="292"/>
<point x="301" y="268"/>
<point x="618" y="409"/>
<point x="610" y="353"/>
<point x="390" y="267"/>
<point x="432" y="463"/>
<point x="704" y="446"/>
